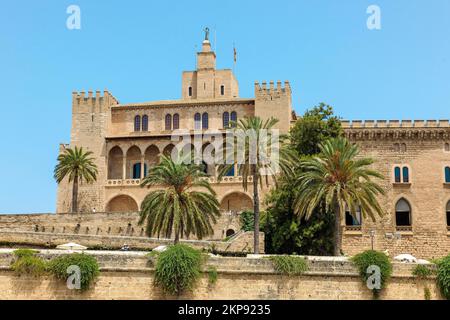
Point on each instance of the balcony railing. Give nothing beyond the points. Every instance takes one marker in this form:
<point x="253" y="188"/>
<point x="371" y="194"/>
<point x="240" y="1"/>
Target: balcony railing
<point x="137" y="182"/>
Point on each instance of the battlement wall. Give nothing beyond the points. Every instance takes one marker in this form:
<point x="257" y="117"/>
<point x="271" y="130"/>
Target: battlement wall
<point x="81" y="99"/>
<point x="262" y="89"/>
<point x="346" y="124"/>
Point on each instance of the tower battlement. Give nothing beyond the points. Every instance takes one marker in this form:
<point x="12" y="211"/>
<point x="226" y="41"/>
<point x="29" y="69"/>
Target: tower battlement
<point x="81" y="99"/>
<point x="272" y="89"/>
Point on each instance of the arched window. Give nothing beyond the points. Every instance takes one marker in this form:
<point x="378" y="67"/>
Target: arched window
<point x="145" y="123"/>
<point x="190" y="91"/>
<point x="176" y="121"/>
<point x="233" y="118"/>
<point x="447" y="174"/>
<point x="398" y="175"/>
<point x="205" y="120"/>
<point x="226" y="119"/>
<point x="353" y="220"/>
<point x="402" y="213"/>
<point x="447" y="147"/>
<point x="447" y="209"/>
<point x="405" y="175"/>
<point x="168" y="122"/>
<point x="197" y="121"/>
<point x="137" y="123"/>
<point x="396" y="147"/>
<point x="222" y="90"/>
<point x="403" y="147"/>
<point x="137" y="170"/>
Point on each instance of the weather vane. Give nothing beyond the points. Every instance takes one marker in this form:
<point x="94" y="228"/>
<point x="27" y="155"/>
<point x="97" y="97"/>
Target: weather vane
<point x="206" y="34"/>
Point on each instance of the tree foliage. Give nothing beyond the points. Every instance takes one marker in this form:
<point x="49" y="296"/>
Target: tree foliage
<point x="285" y="233"/>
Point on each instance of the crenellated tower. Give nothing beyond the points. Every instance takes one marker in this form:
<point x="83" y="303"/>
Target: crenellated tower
<point x="90" y="118"/>
<point x="274" y="101"/>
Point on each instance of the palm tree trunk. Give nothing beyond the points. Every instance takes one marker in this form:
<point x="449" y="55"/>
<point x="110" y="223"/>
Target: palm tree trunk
<point x="177" y="238"/>
<point x="256" y="210"/>
<point x="75" y="194"/>
<point x="337" y="231"/>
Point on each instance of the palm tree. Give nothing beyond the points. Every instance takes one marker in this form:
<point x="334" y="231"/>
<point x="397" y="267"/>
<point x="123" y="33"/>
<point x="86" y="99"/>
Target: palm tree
<point x="178" y="207"/>
<point x="337" y="178"/>
<point x="256" y="162"/>
<point x="78" y="166"/>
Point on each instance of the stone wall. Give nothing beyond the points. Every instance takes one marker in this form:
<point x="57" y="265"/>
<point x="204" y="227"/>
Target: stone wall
<point x="100" y="224"/>
<point x="130" y="276"/>
<point x="420" y="146"/>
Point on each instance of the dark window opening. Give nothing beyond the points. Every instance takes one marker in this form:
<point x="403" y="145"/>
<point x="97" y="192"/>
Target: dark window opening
<point x="233" y="119"/>
<point x="222" y="90"/>
<point x="397" y="174"/>
<point x="402" y="213"/>
<point x="137" y="171"/>
<point x="405" y="174"/>
<point x="197" y="121"/>
<point x="448" y="214"/>
<point x="168" y="121"/>
<point x="447" y="174"/>
<point x="229" y="232"/>
<point x="205" y="121"/>
<point x="145" y="123"/>
<point x="190" y="91"/>
<point x="176" y="121"/>
<point x="137" y="123"/>
<point x="226" y="119"/>
<point x="353" y="220"/>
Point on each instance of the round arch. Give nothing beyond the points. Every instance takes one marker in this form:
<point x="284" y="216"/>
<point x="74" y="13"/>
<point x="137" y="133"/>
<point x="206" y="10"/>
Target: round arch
<point x="122" y="203"/>
<point x="236" y="201"/>
<point x="115" y="163"/>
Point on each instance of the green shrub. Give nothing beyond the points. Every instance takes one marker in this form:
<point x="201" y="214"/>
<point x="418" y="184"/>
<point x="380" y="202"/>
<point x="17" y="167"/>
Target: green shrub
<point x="368" y="258"/>
<point x="443" y="276"/>
<point x="247" y="220"/>
<point x="212" y="275"/>
<point x="26" y="262"/>
<point x="88" y="267"/>
<point x="178" y="268"/>
<point x="19" y="253"/>
<point x="422" y="271"/>
<point x="289" y="265"/>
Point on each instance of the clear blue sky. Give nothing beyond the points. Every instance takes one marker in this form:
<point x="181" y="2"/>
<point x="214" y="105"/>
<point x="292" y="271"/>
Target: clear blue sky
<point x="138" y="49"/>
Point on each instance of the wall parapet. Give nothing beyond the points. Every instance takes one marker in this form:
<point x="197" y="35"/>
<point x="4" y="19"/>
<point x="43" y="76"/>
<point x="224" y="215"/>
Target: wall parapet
<point x="356" y="124"/>
<point x="129" y="275"/>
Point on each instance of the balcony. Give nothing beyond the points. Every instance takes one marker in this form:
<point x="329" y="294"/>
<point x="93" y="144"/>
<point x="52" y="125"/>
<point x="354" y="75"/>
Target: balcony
<point x="137" y="182"/>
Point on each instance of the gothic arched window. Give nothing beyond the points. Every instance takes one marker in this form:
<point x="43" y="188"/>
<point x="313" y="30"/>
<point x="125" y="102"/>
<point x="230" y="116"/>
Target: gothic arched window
<point x="197" y="121"/>
<point x="402" y="213"/>
<point x="205" y="119"/>
<point x="168" y="122"/>
<point x="176" y="121"/>
<point x="144" y="123"/>
<point x="226" y="119"/>
<point x="137" y="123"/>
<point x="233" y="119"/>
